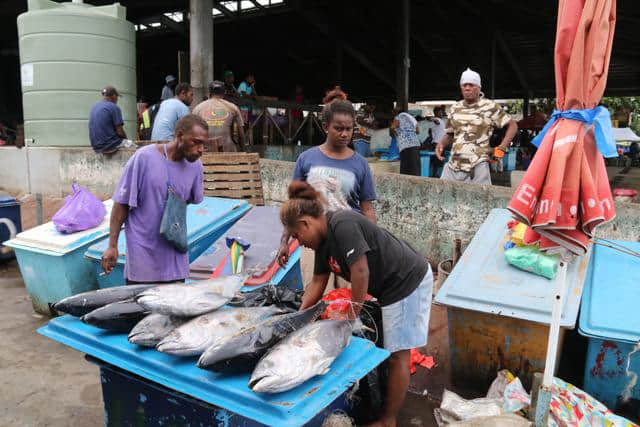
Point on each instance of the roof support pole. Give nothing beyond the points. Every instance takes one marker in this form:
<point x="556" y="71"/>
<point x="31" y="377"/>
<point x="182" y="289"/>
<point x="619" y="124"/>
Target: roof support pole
<point x="201" y="46"/>
<point x="402" y="89"/>
<point x="494" y="43"/>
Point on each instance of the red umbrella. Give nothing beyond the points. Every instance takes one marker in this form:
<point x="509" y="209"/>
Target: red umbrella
<point x="565" y="193"/>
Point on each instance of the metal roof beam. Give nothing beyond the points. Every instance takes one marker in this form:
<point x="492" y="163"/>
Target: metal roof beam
<point x="323" y="27"/>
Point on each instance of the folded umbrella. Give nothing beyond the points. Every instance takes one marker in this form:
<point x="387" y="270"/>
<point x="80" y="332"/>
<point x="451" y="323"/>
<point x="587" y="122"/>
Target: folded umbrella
<point x="565" y="192"/>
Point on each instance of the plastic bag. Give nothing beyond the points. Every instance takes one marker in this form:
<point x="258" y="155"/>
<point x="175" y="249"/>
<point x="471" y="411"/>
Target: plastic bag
<point x="280" y="296"/>
<point x="81" y="210"/>
<point x="529" y="258"/>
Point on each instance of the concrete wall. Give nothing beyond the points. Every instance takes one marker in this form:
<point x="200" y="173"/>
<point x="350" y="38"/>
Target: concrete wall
<point x="426" y="212"/>
<point x="52" y="170"/>
<point x="430" y="214"/>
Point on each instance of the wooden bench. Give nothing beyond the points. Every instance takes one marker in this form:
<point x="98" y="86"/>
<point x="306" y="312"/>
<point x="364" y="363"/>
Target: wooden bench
<point x="233" y="175"/>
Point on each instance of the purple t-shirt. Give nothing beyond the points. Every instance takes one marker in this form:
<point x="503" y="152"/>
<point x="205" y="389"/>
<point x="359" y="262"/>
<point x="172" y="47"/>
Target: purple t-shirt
<point x="143" y="187"/>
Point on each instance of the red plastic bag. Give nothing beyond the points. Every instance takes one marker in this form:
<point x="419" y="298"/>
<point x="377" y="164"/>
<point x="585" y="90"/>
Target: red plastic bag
<point x="341" y="308"/>
<point x="81" y="210"/>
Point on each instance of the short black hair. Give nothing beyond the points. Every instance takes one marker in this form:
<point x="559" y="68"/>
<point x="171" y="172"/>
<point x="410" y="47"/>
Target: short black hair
<point x="187" y="123"/>
<point x="182" y="88"/>
<point x="337" y="107"/>
<point x="216" y="87"/>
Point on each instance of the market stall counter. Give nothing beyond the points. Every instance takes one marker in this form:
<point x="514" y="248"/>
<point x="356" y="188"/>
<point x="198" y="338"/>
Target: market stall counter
<point x="143" y="385"/>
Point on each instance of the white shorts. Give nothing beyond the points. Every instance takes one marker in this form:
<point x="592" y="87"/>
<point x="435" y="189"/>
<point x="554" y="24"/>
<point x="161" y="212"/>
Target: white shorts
<point x="405" y="323"/>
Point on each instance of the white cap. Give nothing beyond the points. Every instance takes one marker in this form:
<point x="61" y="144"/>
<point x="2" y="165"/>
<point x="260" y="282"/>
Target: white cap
<point x="470" y="76"/>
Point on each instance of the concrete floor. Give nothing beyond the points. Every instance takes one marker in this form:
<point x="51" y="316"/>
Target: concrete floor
<point x="44" y="383"/>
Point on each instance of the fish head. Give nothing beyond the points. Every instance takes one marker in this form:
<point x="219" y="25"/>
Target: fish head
<point x="264" y="378"/>
<point x="175" y="342"/>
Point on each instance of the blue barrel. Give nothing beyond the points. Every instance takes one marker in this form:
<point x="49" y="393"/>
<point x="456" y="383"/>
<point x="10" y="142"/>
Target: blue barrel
<point x="609" y="317"/>
<point x="10" y="222"/>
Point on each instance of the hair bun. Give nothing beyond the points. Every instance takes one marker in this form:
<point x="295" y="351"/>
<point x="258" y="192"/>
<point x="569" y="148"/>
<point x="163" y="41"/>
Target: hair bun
<point x="302" y="190"/>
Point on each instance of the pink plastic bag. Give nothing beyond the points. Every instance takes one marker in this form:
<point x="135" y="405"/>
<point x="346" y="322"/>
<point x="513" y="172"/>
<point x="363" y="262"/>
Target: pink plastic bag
<point x="81" y="210"/>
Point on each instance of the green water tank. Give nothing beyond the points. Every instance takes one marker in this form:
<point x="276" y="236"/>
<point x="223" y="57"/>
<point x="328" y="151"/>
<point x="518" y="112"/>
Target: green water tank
<point x="68" y="53"/>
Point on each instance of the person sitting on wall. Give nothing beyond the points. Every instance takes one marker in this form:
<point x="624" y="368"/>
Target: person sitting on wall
<point x="106" y="131"/>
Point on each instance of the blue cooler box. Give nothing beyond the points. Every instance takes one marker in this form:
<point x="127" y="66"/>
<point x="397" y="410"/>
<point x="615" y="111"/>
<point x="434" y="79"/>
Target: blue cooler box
<point x="142" y="386"/>
<point x="206" y="222"/>
<point x="53" y="264"/>
<point x="610" y="319"/>
<point x="10" y="223"/>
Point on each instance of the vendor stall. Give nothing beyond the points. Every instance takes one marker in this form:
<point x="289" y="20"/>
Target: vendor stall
<point x="144" y="386"/>
<point x="499" y="315"/>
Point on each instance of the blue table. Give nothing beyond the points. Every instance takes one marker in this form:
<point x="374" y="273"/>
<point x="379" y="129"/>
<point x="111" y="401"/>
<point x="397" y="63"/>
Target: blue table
<point x="232" y="400"/>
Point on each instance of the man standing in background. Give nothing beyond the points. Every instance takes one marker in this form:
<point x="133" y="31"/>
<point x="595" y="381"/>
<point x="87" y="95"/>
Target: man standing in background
<point x="170" y="112"/>
<point x="168" y="88"/>
<point x="470" y="126"/>
<point x="220" y="116"/>
<point x="247" y="89"/>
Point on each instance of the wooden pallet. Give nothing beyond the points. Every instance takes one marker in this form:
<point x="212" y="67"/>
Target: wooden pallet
<point x="233" y="175"/>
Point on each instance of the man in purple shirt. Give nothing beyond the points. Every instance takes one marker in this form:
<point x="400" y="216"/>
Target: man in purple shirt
<point x="140" y="198"/>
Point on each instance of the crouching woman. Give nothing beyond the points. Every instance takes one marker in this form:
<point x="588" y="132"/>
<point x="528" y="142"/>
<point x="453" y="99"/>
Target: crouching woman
<point x="375" y="262"/>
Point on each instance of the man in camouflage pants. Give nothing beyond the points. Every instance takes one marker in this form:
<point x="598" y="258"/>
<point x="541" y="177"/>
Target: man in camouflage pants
<point x="470" y="126"/>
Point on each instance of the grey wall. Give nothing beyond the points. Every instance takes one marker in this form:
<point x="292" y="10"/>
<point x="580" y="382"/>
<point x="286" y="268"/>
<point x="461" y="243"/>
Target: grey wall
<point x="430" y="214"/>
<point x="426" y="212"/>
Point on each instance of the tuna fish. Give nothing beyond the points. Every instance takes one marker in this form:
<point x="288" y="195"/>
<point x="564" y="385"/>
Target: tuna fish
<point x="240" y="352"/>
<point x="190" y="300"/>
<point x="195" y="336"/>
<point x="81" y="304"/>
<point x="302" y="355"/>
<point x="119" y="316"/>
<point x="153" y="328"/>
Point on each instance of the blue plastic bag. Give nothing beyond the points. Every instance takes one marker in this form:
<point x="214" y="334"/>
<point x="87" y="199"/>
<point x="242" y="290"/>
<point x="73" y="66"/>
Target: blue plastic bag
<point x="81" y="210"/>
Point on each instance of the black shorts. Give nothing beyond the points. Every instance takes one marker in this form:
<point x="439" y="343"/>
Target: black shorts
<point x="410" y="161"/>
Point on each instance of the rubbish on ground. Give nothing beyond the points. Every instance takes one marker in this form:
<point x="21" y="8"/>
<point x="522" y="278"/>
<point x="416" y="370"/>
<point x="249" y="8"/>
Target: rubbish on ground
<point x="418" y="358"/>
<point x="242" y="351"/>
<point x="508" y="387"/>
<point x="505" y="420"/>
<point x="304" y="354"/>
<point x="455" y="408"/>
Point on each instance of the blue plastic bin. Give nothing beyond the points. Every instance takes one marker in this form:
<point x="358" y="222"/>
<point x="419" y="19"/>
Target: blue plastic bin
<point x="610" y="319"/>
<point x="10" y="222"/>
<point x="206" y="222"/>
<point x="53" y="264"/>
<point x="426" y="158"/>
<point x="510" y="158"/>
<point x="156" y="380"/>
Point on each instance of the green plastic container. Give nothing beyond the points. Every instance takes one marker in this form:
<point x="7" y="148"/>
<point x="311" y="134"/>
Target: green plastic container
<point x="68" y="53"/>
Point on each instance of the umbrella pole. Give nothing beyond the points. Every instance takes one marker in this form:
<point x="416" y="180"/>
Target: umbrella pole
<point x="544" y="393"/>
